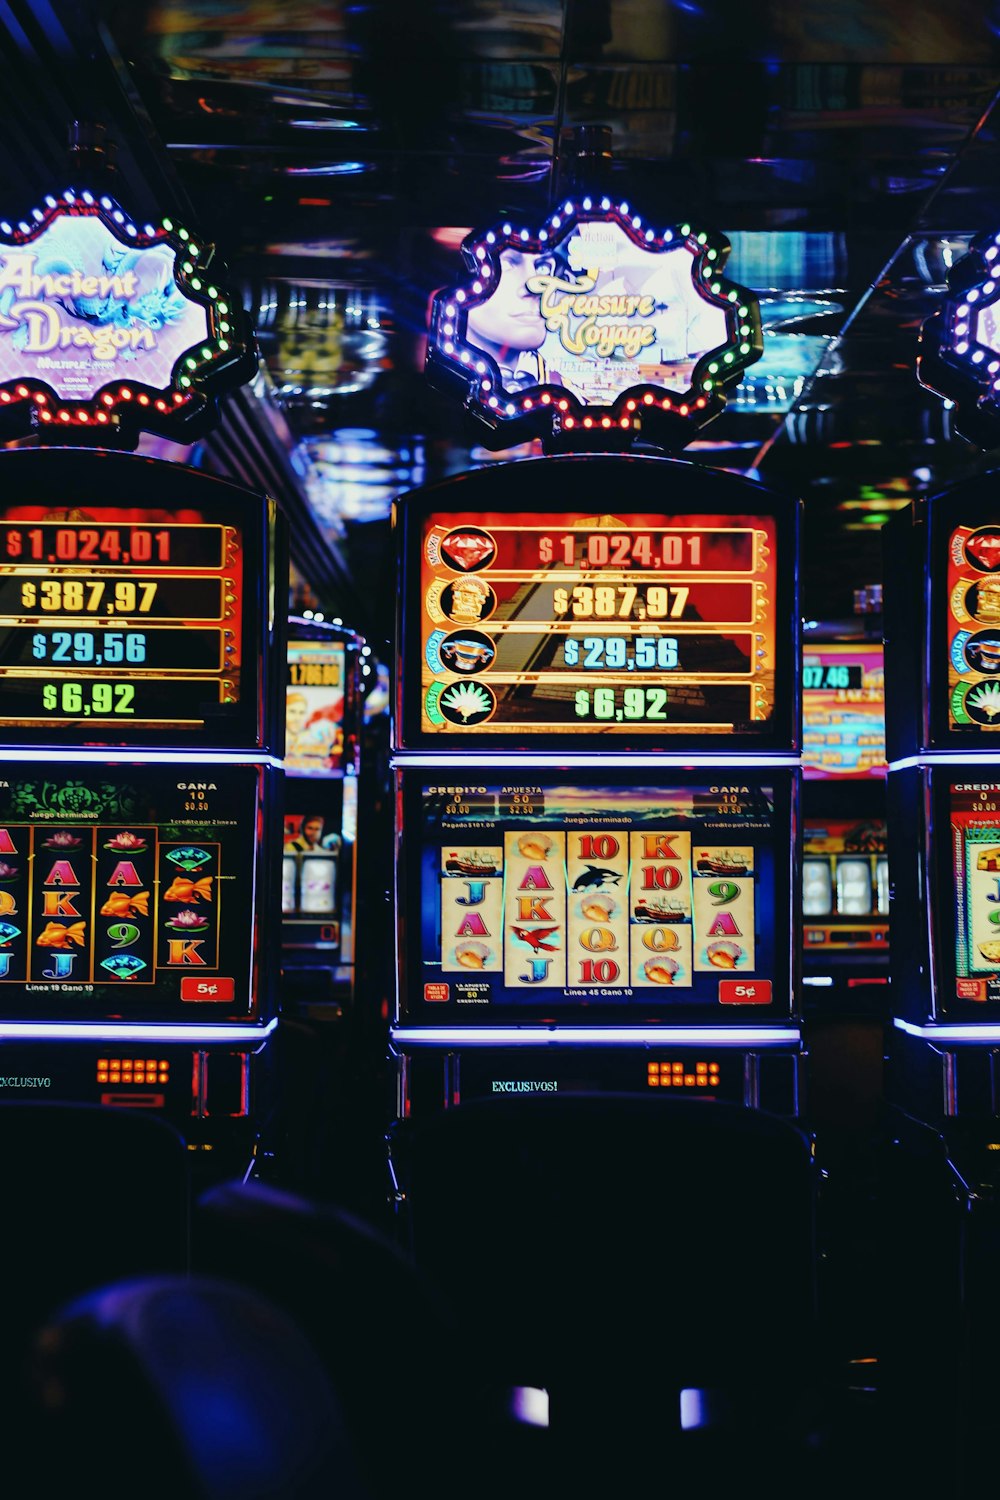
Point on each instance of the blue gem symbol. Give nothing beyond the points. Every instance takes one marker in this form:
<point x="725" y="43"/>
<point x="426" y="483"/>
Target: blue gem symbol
<point x="189" y="858"/>
<point x="8" y="933"/>
<point x="123" y="965"/>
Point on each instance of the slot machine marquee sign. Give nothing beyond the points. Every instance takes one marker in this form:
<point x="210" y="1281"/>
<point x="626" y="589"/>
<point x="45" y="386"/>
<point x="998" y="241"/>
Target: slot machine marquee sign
<point x="109" y="328"/>
<point x="610" y="618"/>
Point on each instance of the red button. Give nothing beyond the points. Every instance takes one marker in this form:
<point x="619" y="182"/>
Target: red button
<point x="437" y="991"/>
<point x="211" y="990"/>
<point x="744" y="992"/>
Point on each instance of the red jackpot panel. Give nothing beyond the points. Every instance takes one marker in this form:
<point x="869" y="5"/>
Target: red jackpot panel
<point x="132" y="604"/>
<point x="613" y="618"/>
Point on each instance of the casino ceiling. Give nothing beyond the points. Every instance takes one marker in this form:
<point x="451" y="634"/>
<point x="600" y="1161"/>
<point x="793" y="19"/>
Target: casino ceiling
<point x="337" y="153"/>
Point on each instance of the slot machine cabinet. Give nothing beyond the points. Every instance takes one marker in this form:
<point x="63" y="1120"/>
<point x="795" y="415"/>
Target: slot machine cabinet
<point x="140" y="791"/>
<point x="323" y="732"/>
<point x="597" y="784"/>
<point x="845" y="872"/>
<point x="942" y="562"/>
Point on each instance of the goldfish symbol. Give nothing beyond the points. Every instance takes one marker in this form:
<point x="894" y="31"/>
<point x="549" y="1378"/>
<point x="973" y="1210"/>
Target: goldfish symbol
<point x="184" y="889"/>
<point x="56" y="935"/>
<point x="121" y="904"/>
<point x="534" y="937"/>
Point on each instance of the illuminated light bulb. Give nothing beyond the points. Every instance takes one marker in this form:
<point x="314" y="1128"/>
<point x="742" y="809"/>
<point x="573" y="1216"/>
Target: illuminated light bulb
<point x="569" y="422"/>
<point x="588" y="421"/>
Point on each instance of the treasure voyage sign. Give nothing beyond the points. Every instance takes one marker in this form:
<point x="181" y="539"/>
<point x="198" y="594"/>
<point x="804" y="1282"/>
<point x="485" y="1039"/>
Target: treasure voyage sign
<point x="595" y="320"/>
<point x="108" y="329"/>
<point x="624" y="624"/>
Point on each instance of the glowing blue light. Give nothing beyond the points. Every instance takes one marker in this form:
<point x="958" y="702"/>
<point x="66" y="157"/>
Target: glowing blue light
<point x="596" y="1036"/>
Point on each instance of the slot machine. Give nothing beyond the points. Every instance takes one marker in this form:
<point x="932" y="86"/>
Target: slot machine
<point x="596" y="729"/>
<point x="580" y="903"/>
<point x="845" y="870"/>
<point x="323" y="713"/>
<point x="140" y="730"/>
<point x="942" y="654"/>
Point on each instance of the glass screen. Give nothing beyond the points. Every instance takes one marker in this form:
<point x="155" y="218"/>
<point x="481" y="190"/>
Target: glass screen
<point x="128" y="891"/>
<point x="535" y="894"/>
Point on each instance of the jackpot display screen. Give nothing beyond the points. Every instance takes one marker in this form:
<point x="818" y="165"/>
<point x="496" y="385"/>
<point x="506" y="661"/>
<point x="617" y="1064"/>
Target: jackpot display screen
<point x="129" y="891"/>
<point x="314" y="705"/>
<point x="843" y="710"/>
<point x="617" y="617"/>
<point x="532" y="895"/>
<point x="129" y="616"/>
<point x="973" y="628"/>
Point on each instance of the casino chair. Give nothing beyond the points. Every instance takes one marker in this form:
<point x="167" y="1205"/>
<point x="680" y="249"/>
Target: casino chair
<point x="179" y="1388"/>
<point x="384" y="1333"/>
<point x="91" y="1195"/>
<point x="644" y="1265"/>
